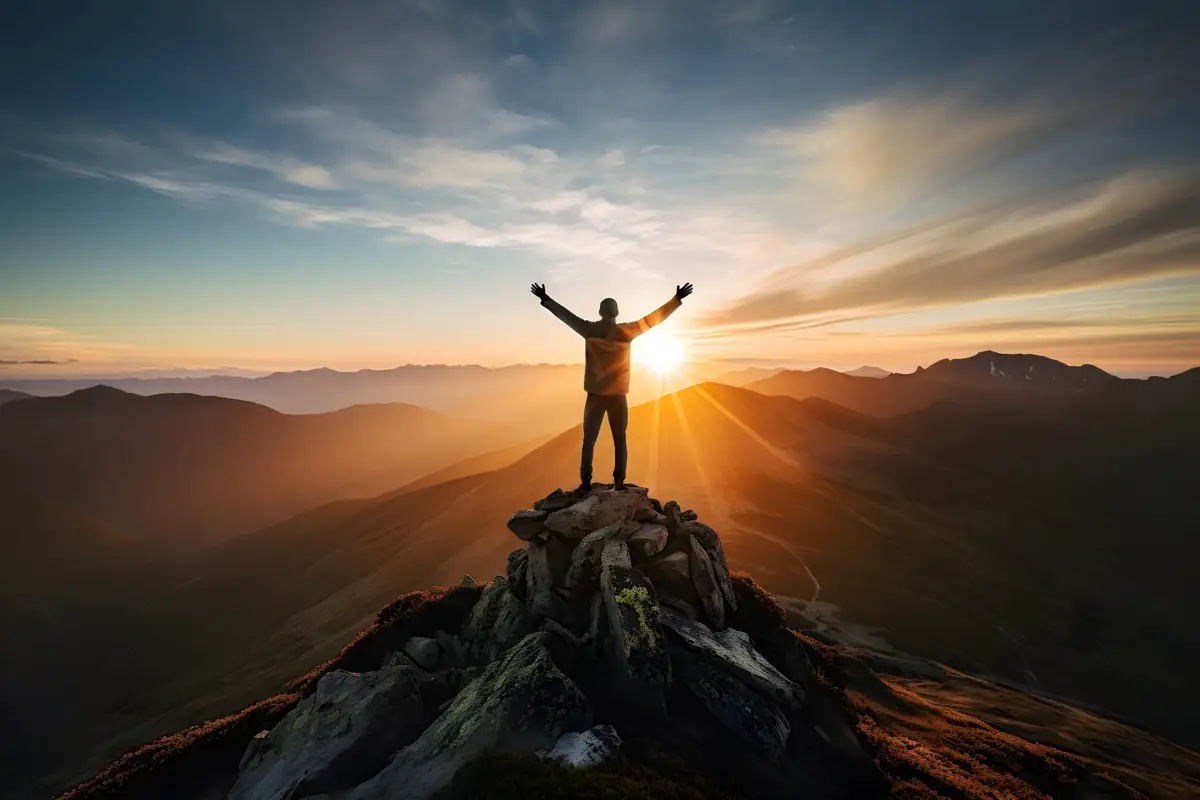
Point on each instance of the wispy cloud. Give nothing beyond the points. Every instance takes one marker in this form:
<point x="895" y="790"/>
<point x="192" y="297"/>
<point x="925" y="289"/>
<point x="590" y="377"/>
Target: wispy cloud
<point x="40" y="361"/>
<point x="289" y="169"/>
<point x="895" y="143"/>
<point x="574" y="210"/>
<point x="1139" y="225"/>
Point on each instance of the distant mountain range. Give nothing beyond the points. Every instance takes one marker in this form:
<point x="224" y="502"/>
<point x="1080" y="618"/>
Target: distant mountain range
<point x="455" y="389"/>
<point x="184" y="470"/>
<point x="984" y="376"/>
<point x="1005" y="514"/>
<point x="436" y="386"/>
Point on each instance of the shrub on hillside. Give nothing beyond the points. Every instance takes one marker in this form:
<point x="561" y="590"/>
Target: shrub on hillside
<point x="192" y="763"/>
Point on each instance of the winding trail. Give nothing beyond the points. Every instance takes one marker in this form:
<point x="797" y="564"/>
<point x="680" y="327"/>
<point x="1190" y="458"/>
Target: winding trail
<point x="787" y="547"/>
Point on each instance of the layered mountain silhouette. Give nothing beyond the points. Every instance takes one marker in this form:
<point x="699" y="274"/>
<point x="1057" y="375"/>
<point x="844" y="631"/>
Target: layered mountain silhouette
<point x="8" y="395"/>
<point x="185" y="470"/>
<point x="1040" y="536"/>
<point x="986" y="376"/>
<point x="436" y="386"/>
<point x="868" y="372"/>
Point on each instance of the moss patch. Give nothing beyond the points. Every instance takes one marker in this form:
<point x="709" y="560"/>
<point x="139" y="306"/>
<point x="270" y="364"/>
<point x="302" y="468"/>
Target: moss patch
<point x="639" y="600"/>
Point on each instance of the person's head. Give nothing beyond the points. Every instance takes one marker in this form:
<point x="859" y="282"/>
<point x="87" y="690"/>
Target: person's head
<point x="608" y="308"/>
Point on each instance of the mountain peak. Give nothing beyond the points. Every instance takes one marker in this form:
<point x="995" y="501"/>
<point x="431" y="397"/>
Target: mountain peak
<point x="97" y="397"/>
<point x="1027" y="368"/>
<point x="612" y="600"/>
<point x="866" y="371"/>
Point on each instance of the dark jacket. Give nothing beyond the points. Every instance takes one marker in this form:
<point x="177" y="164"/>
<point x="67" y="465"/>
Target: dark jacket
<point x="606" y="368"/>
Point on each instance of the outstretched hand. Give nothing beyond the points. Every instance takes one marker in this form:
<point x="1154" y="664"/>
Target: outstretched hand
<point x="683" y="291"/>
<point x="538" y="290"/>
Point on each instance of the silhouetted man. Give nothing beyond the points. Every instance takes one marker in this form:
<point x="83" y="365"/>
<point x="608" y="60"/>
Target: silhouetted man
<point x="606" y="373"/>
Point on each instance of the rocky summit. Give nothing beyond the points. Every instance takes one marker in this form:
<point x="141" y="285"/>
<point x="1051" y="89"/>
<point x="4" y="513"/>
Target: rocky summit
<point x="615" y="629"/>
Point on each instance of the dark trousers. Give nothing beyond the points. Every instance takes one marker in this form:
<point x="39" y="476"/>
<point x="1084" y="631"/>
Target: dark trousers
<point x="594" y="409"/>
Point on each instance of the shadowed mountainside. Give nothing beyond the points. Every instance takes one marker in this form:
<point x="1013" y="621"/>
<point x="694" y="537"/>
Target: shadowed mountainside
<point x="185" y="470"/>
<point x="8" y="395"/>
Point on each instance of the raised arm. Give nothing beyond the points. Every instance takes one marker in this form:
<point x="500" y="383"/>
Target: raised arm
<point x="659" y="314"/>
<point x="573" y="322"/>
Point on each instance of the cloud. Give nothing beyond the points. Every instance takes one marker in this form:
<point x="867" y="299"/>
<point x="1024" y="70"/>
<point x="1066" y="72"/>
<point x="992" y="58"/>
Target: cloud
<point x="910" y="140"/>
<point x="462" y="105"/>
<point x="863" y="150"/>
<point x="40" y="361"/>
<point x="286" y="168"/>
<point x="1139" y="225"/>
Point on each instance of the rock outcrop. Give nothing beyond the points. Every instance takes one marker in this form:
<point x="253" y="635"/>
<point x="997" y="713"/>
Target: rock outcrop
<point x="591" y="748"/>
<point x="615" y="610"/>
<point x="345" y="730"/>
<point x="522" y="702"/>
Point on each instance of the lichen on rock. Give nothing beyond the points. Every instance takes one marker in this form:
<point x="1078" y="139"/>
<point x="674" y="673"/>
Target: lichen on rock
<point x="637" y="598"/>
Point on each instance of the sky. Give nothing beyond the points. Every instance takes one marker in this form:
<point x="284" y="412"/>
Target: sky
<point x="291" y="184"/>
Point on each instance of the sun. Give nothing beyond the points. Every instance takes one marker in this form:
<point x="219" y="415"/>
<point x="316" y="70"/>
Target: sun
<point x="660" y="352"/>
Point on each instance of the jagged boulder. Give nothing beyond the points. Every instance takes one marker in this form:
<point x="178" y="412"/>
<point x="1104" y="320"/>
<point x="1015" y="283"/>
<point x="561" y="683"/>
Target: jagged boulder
<point x="746" y="713"/>
<point x="680" y="605"/>
<point x="585" y="554"/>
<point x="733" y="652"/>
<point x="716" y="552"/>
<point x="593" y="747"/>
<point x="636" y="645"/>
<point x="340" y="735"/>
<point x="497" y="622"/>
<point x="615" y="554"/>
<point x="673" y="567"/>
<point x="734" y="681"/>
<point x="523" y="703"/>
<point x="527" y="523"/>
<point x="648" y="540"/>
<point x="558" y="499"/>
<point x="705" y="581"/>
<point x="518" y="563"/>
<point x="599" y="508"/>
<point x="424" y="651"/>
<point x="548" y="563"/>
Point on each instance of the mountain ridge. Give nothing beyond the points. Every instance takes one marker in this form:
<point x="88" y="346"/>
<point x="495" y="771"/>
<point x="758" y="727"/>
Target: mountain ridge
<point x="983" y="377"/>
<point x="181" y="466"/>
<point x="9" y="395"/>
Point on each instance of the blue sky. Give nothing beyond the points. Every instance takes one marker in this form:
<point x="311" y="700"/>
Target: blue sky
<point x="296" y="184"/>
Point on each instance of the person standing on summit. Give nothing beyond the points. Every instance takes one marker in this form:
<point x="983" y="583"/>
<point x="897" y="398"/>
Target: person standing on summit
<point x="606" y="373"/>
